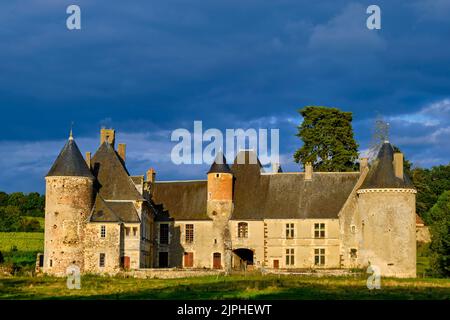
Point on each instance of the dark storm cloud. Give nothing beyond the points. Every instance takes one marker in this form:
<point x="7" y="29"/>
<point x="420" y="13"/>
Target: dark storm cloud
<point x="149" y="67"/>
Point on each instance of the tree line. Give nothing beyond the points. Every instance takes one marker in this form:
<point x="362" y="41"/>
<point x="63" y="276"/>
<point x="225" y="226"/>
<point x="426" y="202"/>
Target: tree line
<point x="18" y="212"/>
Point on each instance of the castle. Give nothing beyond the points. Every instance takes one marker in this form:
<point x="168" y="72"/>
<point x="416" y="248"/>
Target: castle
<point x="103" y="220"/>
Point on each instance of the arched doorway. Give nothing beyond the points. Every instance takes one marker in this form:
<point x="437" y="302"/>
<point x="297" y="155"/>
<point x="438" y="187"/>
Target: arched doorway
<point x="242" y="258"/>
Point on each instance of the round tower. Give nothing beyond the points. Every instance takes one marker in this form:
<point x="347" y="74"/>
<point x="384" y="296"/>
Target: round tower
<point x="69" y="200"/>
<point x="220" y="180"/>
<point x="219" y="209"/>
<point x="387" y="210"/>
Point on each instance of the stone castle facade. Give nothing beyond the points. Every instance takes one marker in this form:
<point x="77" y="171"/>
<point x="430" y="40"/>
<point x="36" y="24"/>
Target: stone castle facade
<point x="104" y="220"/>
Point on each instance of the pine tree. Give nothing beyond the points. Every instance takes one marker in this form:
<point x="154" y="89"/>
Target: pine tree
<point x="328" y="141"/>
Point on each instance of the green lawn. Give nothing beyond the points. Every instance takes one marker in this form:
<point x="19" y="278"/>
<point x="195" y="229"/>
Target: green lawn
<point x="231" y="287"/>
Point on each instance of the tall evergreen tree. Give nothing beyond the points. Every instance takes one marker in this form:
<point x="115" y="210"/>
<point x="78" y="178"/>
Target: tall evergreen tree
<point x="328" y="141"/>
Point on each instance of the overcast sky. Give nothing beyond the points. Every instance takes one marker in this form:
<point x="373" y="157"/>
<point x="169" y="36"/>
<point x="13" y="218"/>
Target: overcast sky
<point x="149" y="67"/>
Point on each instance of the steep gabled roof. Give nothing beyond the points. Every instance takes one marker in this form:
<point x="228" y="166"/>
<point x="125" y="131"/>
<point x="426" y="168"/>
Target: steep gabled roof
<point x="290" y="196"/>
<point x="219" y="165"/>
<point x="181" y="200"/>
<point x="126" y="211"/>
<point x="382" y="175"/>
<point x="260" y="196"/>
<point x="70" y="163"/>
<point x="247" y="166"/>
<point x="102" y="212"/>
<point x="113" y="179"/>
<point x="110" y="211"/>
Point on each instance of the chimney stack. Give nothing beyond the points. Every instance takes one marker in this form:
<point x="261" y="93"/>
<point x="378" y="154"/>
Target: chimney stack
<point x="122" y="151"/>
<point x="363" y="164"/>
<point x="398" y="165"/>
<point x="151" y="175"/>
<point x="88" y="159"/>
<point x="108" y="135"/>
<point x="308" y="171"/>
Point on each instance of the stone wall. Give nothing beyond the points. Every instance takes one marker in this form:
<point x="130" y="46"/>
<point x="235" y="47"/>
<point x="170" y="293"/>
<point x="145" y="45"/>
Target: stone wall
<point x="202" y="247"/>
<point x="68" y="204"/>
<point x="350" y="226"/>
<point x="110" y="246"/>
<point x="304" y="243"/>
<point x="388" y="231"/>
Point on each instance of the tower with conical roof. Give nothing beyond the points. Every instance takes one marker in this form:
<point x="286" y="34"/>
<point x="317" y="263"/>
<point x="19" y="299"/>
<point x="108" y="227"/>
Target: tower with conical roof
<point x="220" y="208"/>
<point x="69" y="200"/>
<point x="386" y="208"/>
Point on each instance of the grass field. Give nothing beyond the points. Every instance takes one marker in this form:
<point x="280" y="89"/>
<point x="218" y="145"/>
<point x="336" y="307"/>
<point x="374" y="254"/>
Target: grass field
<point x="23" y="241"/>
<point x="231" y="287"/>
<point x="21" y="248"/>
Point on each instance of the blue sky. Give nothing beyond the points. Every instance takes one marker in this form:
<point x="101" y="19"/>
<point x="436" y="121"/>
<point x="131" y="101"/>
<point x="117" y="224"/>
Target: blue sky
<point x="149" y="67"/>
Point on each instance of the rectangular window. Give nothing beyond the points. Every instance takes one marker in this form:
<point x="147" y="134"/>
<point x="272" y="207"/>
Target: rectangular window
<point x="242" y="230"/>
<point x="353" y="253"/>
<point x="290" y="230"/>
<point x="51" y="263"/>
<point x="290" y="257"/>
<point x="319" y="257"/>
<point x="103" y="231"/>
<point x="319" y="230"/>
<point x="164" y="234"/>
<point x="135" y="230"/>
<point x="127" y="231"/>
<point x="102" y="260"/>
<point x="189" y="233"/>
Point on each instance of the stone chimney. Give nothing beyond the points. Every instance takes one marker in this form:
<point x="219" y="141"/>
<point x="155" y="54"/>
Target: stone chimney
<point x="363" y="164"/>
<point x="398" y="165"/>
<point x="88" y="159"/>
<point x="151" y="175"/>
<point x="108" y="135"/>
<point x="308" y="171"/>
<point x="122" y="151"/>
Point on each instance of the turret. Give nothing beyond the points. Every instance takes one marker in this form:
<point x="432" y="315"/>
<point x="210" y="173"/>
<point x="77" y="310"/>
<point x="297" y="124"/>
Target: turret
<point x="220" y="180"/>
<point x="386" y="208"/>
<point x="69" y="200"/>
<point x="220" y="208"/>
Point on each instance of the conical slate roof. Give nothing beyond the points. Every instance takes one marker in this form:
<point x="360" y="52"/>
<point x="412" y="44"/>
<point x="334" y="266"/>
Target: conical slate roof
<point x="70" y="163"/>
<point x="219" y="165"/>
<point x="382" y="174"/>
